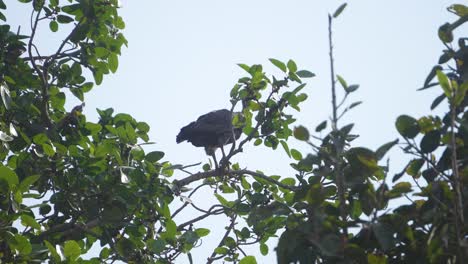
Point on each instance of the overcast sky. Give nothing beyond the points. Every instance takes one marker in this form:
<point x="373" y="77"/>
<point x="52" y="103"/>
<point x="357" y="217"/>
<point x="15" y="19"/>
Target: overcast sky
<point x="182" y="56"/>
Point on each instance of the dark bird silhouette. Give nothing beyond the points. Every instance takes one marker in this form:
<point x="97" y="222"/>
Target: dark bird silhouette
<point x="211" y="131"/>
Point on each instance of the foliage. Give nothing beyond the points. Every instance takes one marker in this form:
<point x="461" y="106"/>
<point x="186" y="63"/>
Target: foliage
<point x="68" y="184"/>
<point x="355" y="224"/>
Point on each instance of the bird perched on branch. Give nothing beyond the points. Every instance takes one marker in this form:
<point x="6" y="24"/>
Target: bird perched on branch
<point x="211" y="131"/>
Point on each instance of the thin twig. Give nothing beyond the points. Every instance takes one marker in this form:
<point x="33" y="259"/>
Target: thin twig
<point x="42" y="75"/>
<point x="336" y="142"/>
<point x="187" y="203"/>
<point x="198" y="218"/>
<point x="221" y="243"/>
<point x="457" y="185"/>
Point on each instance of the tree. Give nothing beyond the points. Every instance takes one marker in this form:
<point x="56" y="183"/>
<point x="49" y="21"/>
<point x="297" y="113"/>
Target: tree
<point x="343" y="213"/>
<point x="67" y="183"/>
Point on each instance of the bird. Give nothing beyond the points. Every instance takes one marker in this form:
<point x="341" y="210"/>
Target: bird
<point x="211" y="131"/>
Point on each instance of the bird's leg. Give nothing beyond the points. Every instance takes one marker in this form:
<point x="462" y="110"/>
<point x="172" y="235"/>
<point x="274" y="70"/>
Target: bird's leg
<point x="223" y="160"/>
<point x="215" y="161"/>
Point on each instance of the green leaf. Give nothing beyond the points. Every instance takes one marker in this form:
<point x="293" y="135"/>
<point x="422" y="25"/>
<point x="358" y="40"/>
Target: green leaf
<point x="53" y="25"/>
<point x="137" y="153"/>
<point x="27" y="220"/>
<point x="342" y="82"/>
<point x="156" y="246"/>
<point x="171" y="229"/>
<point x="356" y="209"/>
<point x="245" y="67"/>
<point x="401" y="187"/>
<point x="414" y="167"/>
<point x="460" y="10"/>
<point x="289" y="181"/>
<point x="105" y="253"/>
<point x="258" y="141"/>
<point x="201" y="232"/>
<point x="305" y="74"/>
<point x="125" y="247"/>
<point x="221" y="250"/>
<point x="40" y="139"/>
<point x="154" y="156"/>
<point x="437" y="101"/>
<point x="445" y="33"/>
<point x="296" y="154"/>
<point x="45" y="209"/>
<point x="86" y="87"/>
<point x="444" y="83"/>
<point x="78" y="93"/>
<point x="431" y="75"/>
<point x="285" y="147"/>
<point x="48" y="149"/>
<point x="93" y="128"/>
<point x="293" y="76"/>
<point x="407" y="126"/>
<point x="53" y="251"/>
<point x="248" y="260"/>
<point x="245" y="184"/>
<point x="9" y="176"/>
<point x="64" y="19"/>
<point x="142" y="126"/>
<point x="119" y="23"/>
<point x="382" y="150"/>
<point x="222" y="200"/>
<point x="376" y="259"/>
<point x="98" y="76"/>
<point x="301" y="133"/>
<point x="460" y="93"/>
<point x="445" y="57"/>
<point x="279" y="64"/>
<point x="8" y="79"/>
<point x="263" y="249"/>
<point x="321" y="126"/>
<point x="292" y="66"/>
<point x="113" y="62"/>
<point x="339" y="10"/>
<point x="430" y="141"/>
<point x="351" y="106"/>
<point x="352" y="88"/>
<point x="22" y="244"/>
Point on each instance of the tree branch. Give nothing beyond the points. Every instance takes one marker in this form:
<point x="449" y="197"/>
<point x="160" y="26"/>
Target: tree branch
<point x="338" y="146"/>
<point x="229" y="229"/>
<point x="212" y="173"/>
<point x="68" y="228"/>
<point x="42" y="76"/>
<point x="201" y="217"/>
<point x="457" y="185"/>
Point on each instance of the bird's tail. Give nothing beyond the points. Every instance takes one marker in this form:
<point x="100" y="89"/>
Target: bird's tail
<point x="184" y="133"/>
<point x="180" y="137"/>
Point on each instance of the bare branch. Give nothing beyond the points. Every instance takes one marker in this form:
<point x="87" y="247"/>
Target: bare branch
<point x="201" y="217"/>
<point x="228" y="230"/>
<point x="338" y="148"/>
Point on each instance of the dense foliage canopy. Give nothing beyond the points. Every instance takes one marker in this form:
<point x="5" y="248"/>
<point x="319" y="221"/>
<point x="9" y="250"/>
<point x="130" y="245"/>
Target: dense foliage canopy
<point x="67" y="183"/>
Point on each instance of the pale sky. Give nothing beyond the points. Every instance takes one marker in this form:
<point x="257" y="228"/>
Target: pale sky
<point x="182" y="56"/>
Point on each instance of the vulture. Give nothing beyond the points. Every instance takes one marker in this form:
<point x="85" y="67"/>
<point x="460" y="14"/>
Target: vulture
<point x="211" y="131"/>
